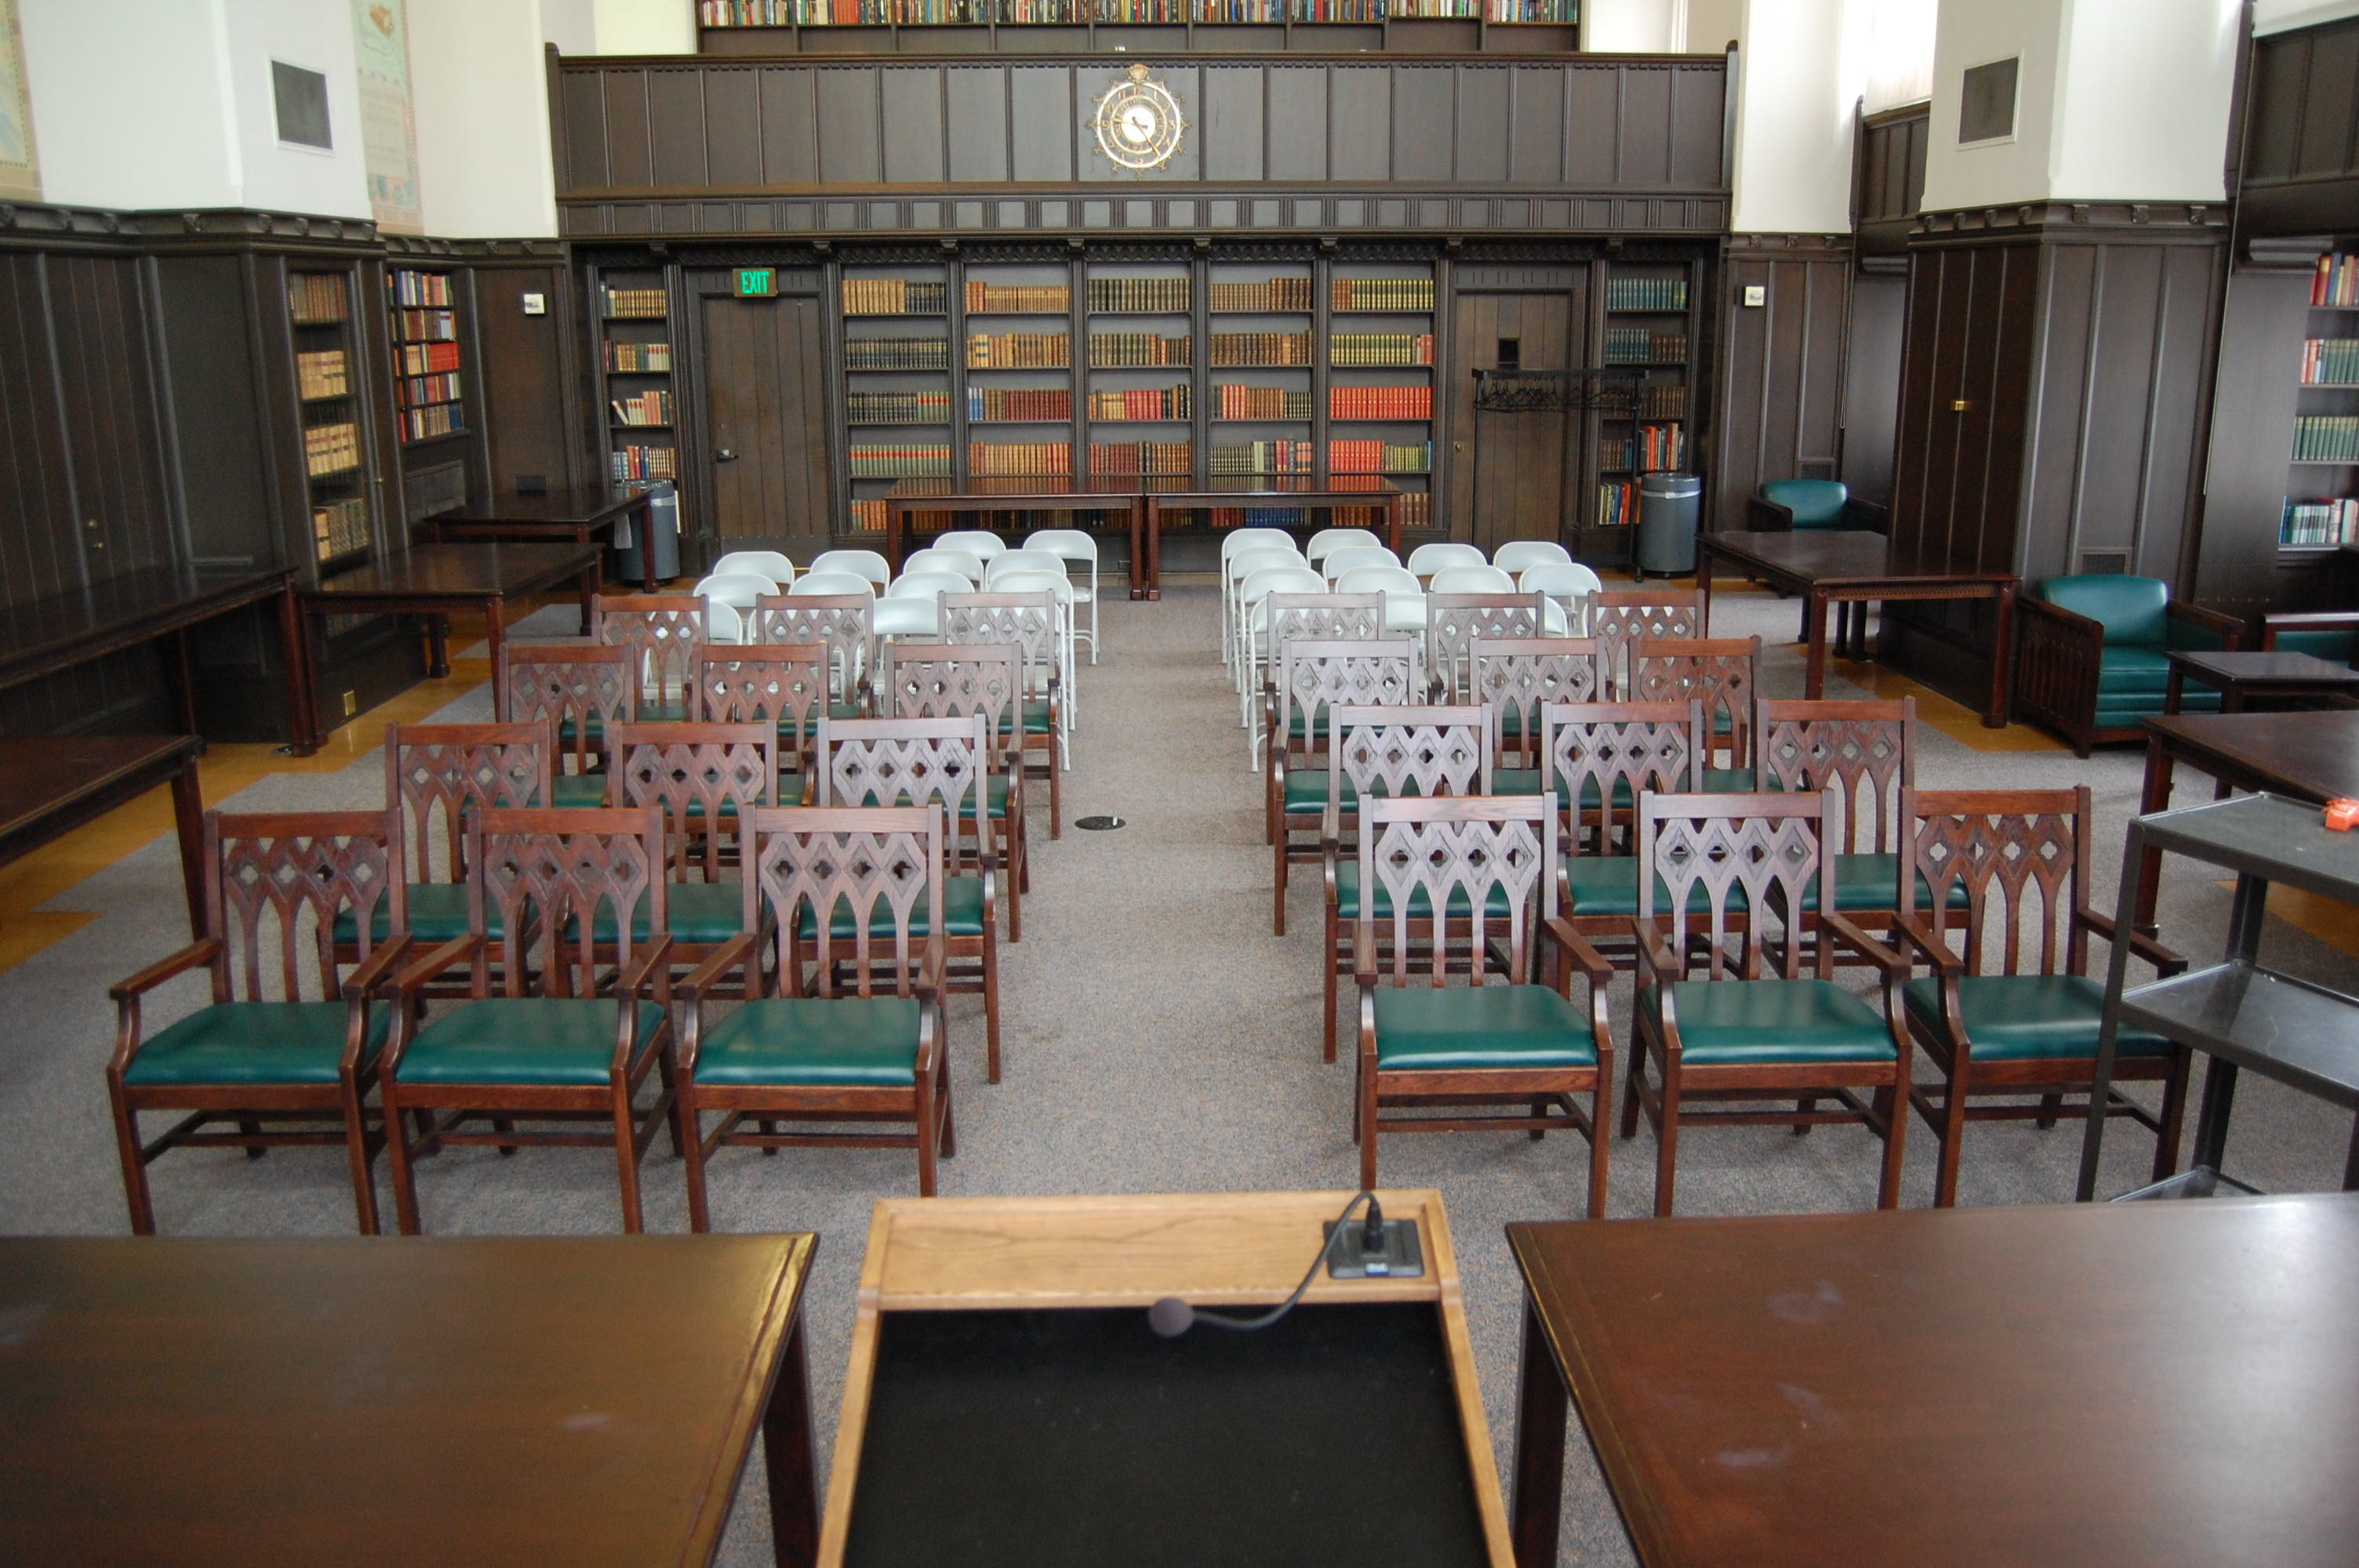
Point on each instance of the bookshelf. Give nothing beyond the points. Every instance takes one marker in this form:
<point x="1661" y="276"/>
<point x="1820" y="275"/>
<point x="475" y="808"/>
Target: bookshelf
<point x="899" y="346"/>
<point x="1378" y="387"/>
<point x="1140" y="386"/>
<point x="1648" y="326"/>
<point x="1321" y="26"/>
<point x="328" y="364"/>
<point x="427" y="399"/>
<point x="2322" y="494"/>
<point x="637" y="399"/>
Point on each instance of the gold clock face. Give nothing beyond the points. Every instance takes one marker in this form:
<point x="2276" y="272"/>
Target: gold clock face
<point x="1138" y="122"/>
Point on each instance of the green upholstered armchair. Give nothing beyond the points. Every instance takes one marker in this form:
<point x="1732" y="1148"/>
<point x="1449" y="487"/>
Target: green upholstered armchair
<point x="2325" y="635"/>
<point x="2090" y="653"/>
<point x="1785" y="504"/>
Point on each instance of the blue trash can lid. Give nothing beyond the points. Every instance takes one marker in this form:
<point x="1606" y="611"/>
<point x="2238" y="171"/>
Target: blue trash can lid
<point x="1671" y="484"/>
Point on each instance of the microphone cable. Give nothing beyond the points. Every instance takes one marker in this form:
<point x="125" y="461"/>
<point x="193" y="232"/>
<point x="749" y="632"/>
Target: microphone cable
<point x="1172" y="1317"/>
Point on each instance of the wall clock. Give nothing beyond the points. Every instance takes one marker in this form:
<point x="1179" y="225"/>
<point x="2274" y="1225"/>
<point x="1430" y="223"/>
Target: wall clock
<point x="1138" y="122"/>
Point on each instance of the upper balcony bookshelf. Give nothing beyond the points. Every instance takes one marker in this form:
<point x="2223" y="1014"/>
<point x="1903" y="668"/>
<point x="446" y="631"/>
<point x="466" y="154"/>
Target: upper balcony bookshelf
<point x="1211" y="26"/>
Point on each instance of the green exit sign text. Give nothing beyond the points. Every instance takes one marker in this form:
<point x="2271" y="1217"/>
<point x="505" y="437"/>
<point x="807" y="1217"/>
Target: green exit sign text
<point x="757" y="282"/>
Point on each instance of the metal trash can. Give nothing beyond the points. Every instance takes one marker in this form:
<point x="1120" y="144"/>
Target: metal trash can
<point x="660" y="535"/>
<point x="1669" y="504"/>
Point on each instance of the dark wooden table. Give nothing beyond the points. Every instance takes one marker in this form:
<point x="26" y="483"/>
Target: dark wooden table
<point x="1105" y="492"/>
<point x="46" y="635"/>
<point x="1260" y="492"/>
<point x="558" y="516"/>
<point x="2241" y="677"/>
<point x="2141" y="1384"/>
<point x="506" y="1401"/>
<point x="50" y="785"/>
<point x="434" y="579"/>
<point x="1850" y="565"/>
<point x="2310" y="756"/>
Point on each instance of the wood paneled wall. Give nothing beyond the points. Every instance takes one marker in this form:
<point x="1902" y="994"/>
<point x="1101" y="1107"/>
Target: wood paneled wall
<point x="1888" y="164"/>
<point x="1781" y="367"/>
<point x="2301" y="134"/>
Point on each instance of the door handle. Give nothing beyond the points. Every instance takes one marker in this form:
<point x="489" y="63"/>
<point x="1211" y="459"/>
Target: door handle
<point x="725" y="454"/>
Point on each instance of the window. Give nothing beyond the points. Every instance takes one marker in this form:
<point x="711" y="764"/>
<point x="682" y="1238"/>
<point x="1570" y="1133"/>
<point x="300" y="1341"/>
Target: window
<point x="1987" y="107"/>
<point x="302" y="101"/>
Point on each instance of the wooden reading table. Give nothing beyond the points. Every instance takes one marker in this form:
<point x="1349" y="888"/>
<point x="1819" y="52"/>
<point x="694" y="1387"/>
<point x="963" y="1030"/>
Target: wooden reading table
<point x="434" y="579"/>
<point x="2134" y="1384"/>
<point x="1104" y="493"/>
<point x="1851" y="565"/>
<point x="2310" y="756"/>
<point x="580" y="1399"/>
<point x="556" y="516"/>
<point x="1008" y="1403"/>
<point x="1261" y="492"/>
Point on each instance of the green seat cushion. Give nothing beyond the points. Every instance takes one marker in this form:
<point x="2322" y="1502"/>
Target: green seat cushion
<point x="994" y="786"/>
<point x="1730" y="781"/>
<point x="2123" y="671"/>
<point x="2335" y="647"/>
<point x="1298" y="722"/>
<point x="570" y="790"/>
<point x="1514" y="781"/>
<point x="536" y="1041"/>
<point x="1749" y="1022"/>
<point x="1420" y="902"/>
<point x="1608" y="884"/>
<point x="1479" y="1029"/>
<point x="962" y="914"/>
<point x="698" y="912"/>
<point x="1306" y="791"/>
<point x="662" y="712"/>
<point x="1815" y="503"/>
<point x="817" y="1042"/>
<point x="438" y="914"/>
<point x="1036" y="717"/>
<point x="2017" y="1018"/>
<point x="254" y="1043"/>
<point x="1865" y="881"/>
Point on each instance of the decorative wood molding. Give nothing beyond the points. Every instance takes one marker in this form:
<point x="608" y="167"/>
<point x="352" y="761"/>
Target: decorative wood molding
<point x="2111" y="220"/>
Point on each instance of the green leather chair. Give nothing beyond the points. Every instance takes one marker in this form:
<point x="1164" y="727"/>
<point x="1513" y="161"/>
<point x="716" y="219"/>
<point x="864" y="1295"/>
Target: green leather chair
<point x="2327" y="635"/>
<point x="2089" y="655"/>
<point x="2016" y="1015"/>
<point x="1427" y="1044"/>
<point x="259" y="1073"/>
<point x="1788" y="505"/>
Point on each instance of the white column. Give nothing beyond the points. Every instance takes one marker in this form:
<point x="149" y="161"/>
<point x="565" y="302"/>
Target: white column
<point x="479" y="84"/>
<point x="1800" y="66"/>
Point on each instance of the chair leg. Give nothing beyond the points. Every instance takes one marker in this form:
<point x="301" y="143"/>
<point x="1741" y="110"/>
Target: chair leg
<point x="690" y="1124"/>
<point x="1327" y="962"/>
<point x="1601" y="1116"/>
<point x="1949" y="1135"/>
<point x="667" y="1074"/>
<point x="397" y="1166"/>
<point x="1539" y="1108"/>
<point x="925" y="1134"/>
<point x="1056" y="796"/>
<point x="1279" y="915"/>
<point x="1666" y="1145"/>
<point x="627" y="1159"/>
<point x="2049" y="1104"/>
<point x="990" y="1000"/>
<point x="356" y="1157"/>
<point x="503" y="1124"/>
<point x="135" y="1169"/>
<point x="252" y="1128"/>
<point x="1803" y="1106"/>
<point x="1891" y="1104"/>
<point x="1365" y="1119"/>
<point x="1630" y="1095"/>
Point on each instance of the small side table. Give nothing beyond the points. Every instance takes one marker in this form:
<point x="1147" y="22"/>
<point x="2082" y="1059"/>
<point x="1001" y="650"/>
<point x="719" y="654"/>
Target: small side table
<point x="2238" y="1011"/>
<point x="2242" y="676"/>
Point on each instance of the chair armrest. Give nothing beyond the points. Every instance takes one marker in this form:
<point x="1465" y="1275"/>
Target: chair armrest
<point x="1937" y="954"/>
<point x="194" y="956"/>
<point x="2060" y="624"/>
<point x="2229" y="629"/>
<point x="371" y="975"/>
<point x="1894" y="966"/>
<point x="2164" y="960"/>
<point x="2059" y="657"/>
<point x="1764" y="514"/>
<point x="2344" y="621"/>
<point x="723" y="959"/>
<point x="1657" y="959"/>
<point x="1871" y="515"/>
<point x="631" y="981"/>
<point x="457" y="950"/>
<point x="1578" y="949"/>
<point x="930" y="970"/>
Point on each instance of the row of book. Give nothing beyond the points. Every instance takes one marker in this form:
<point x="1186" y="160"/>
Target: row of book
<point x="1142" y="403"/>
<point x="898" y="407"/>
<point x="2330" y="362"/>
<point x="1645" y="294"/>
<point x="427" y="359"/>
<point x="321" y="374"/>
<point x="331" y="449"/>
<point x="1232" y="401"/>
<point x="646" y="408"/>
<point x="897" y="353"/>
<point x="340" y="528"/>
<point x="1014" y="404"/>
<point x="426" y="326"/>
<point x="419" y="287"/>
<point x="1643" y="345"/>
<point x="639" y="359"/>
<point x="900" y="461"/>
<point x="1412" y="505"/>
<point x="416" y="391"/>
<point x="1662" y="400"/>
<point x="1139" y="296"/>
<point x="1142" y="457"/>
<point x="439" y="419"/>
<point x="895" y="296"/>
<point x="1132" y="351"/>
<point x="1379" y="457"/>
<point x="1020" y="459"/>
<point x="1265" y="457"/>
<point x="1380" y="403"/>
<point x="315" y="298"/>
<point x="1017" y="298"/>
<point x="1019" y="350"/>
<point x="1279" y="294"/>
<point x="2336" y="282"/>
<point x="1380" y="349"/>
<point x="633" y="304"/>
<point x="1261" y="348"/>
<point x="936" y="13"/>
<point x="2326" y="438"/>
<point x="1652" y="449"/>
<point x="2319" y="523"/>
<point x="1380" y="294"/>
<point x="627" y="463"/>
<point x="1617" y="504"/>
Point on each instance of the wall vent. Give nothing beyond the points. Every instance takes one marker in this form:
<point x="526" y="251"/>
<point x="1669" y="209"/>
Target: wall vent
<point x="2106" y="563"/>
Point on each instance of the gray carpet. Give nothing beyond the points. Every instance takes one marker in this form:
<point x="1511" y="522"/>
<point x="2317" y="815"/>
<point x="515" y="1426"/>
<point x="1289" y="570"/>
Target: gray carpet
<point x="1157" y="1039"/>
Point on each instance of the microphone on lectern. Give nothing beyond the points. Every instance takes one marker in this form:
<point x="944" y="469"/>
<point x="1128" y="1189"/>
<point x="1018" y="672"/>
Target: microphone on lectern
<point x="1172" y="1317"/>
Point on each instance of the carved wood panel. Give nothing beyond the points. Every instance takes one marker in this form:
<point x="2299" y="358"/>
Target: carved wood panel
<point x="1455" y="852"/>
<point x="277" y="883"/>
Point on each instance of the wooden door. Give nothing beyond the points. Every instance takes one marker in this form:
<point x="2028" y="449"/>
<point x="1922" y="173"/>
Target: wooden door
<point x="766" y="416"/>
<point x="1965" y="384"/>
<point x="1514" y="474"/>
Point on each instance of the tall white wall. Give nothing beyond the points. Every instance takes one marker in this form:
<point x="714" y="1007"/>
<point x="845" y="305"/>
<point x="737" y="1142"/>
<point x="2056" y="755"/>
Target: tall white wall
<point x="278" y="177"/>
<point x="645" y="26"/>
<point x="1995" y="172"/>
<point x="1629" y="27"/>
<point x="480" y="89"/>
<point x="1711" y="23"/>
<point x="131" y="102"/>
<point x="570" y="24"/>
<point x="1799" y="70"/>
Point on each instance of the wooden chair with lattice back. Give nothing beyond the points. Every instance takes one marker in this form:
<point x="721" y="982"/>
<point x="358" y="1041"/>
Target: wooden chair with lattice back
<point x="1722" y="870"/>
<point x="668" y="629"/>
<point x="1602" y="758"/>
<point x="1454" y="621"/>
<point x="577" y="689"/>
<point x="1724" y="674"/>
<point x="781" y="684"/>
<point x="1315" y="677"/>
<point x="575" y="899"/>
<point x="2009" y="1009"/>
<point x="805" y="1052"/>
<point x="1037" y="722"/>
<point x="1485" y="864"/>
<point x="947" y="680"/>
<point x="1516" y="678"/>
<point x="932" y="762"/>
<point x="287" y="1048"/>
<point x="704" y="778"/>
<point x="844" y="622"/>
<point x="1380" y="752"/>
<point x="1620" y="616"/>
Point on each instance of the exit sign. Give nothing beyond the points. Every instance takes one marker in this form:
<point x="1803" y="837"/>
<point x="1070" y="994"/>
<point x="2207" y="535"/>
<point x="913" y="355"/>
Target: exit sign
<point x="757" y="282"/>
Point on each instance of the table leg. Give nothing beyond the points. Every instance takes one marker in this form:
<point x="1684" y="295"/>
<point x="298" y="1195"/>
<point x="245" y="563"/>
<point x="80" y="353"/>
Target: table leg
<point x="1391" y="503"/>
<point x="496" y="640"/>
<point x="593" y="578"/>
<point x="2001" y="699"/>
<point x="895" y="521"/>
<point x="1703" y="587"/>
<point x="2174" y="690"/>
<point x="1537" y="1499"/>
<point x="2212" y="1119"/>
<point x="1858" y="630"/>
<point x="646" y="515"/>
<point x="294" y="653"/>
<point x="1154" y="550"/>
<point x="789" y="1458"/>
<point x="1814" y="679"/>
<point x="2153" y="798"/>
<point x="438" y="645"/>
<point x="184" y="681"/>
<point x="189" y="820"/>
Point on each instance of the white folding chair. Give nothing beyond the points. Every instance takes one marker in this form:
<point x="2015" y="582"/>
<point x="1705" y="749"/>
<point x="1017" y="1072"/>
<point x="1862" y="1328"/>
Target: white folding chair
<point x="1521" y="555"/>
<point x="1253" y="613"/>
<point x="1072" y="544"/>
<point x="1427" y="559"/>
<point x="1328" y="539"/>
<point x="865" y="564"/>
<point x="1008" y="561"/>
<point x="1568" y="585"/>
<point x="980" y="543"/>
<point x="831" y="581"/>
<point x="734" y="591"/>
<point x="1056" y="583"/>
<point x="761" y="563"/>
<point x="940" y="558"/>
<point x="1233" y="541"/>
<point x="1234" y="570"/>
<point x="1404" y="599"/>
<point x="1335" y="563"/>
<point x="1479" y="579"/>
<point x="912" y="605"/>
